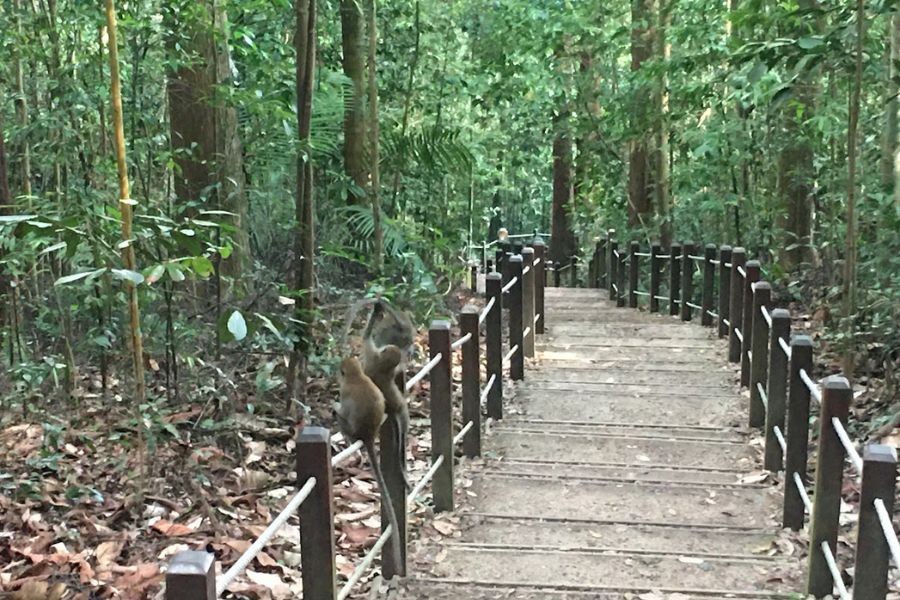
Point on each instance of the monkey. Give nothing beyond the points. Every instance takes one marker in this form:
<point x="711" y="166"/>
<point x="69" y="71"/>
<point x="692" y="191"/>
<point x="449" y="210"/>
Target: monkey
<point x="381" y="368"/>
<point x="360" y="414"/>
<point x="388" y="327"/>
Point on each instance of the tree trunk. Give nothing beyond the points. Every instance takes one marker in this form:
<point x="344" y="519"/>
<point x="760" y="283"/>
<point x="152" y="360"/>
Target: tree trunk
<point x="128" y="257"/>
<point x="640" y="201"/>
<point x="375" y="184"/>
<point x="22" y="113"/>
<point x="304" y="226"/>
<point x="562" y="247"/>
<point x="6" y="208"/>
<point x="354" y="114"/>
<point x="204" y="129"/>
<point x="889" y="140"/>
<point x="663" y="183"/>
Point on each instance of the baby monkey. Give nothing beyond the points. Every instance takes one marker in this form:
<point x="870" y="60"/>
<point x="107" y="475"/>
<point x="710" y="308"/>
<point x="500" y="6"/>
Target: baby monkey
<point x="360" y="414"/>
<point x="387" y="340"/>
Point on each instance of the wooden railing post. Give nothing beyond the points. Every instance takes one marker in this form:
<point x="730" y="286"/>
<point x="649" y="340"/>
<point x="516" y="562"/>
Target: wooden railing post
<point x="574" y="273"/>
<point x="823" y="527"/>
<point x="613" y="246"/>
<point x="797" y="431"/>
<point x="709" y="283"/>
<point x="872" y="552"/>
<point x="759" y="368"/>
<point x="557" y="279"/>
<point x="752" y="270"/>
<point x="471" y="379"/>
<point x="602" y="263"/>
<point x="528" y="300"/>
<point x="473" y="273"/>
<point x="392" y="458"/>
<point x="633" y="271"/>
<point x="687" y="280"/>
<point x="493" y="345"/>
<point x="724" y="289"/>
<point x="594" y="276"/>
<point x="674" y="278"/>
<point x="316" y="514"/>
<point x="517" y="361"/>
<point x="655" y="276"/>
<point x="620" y="280"/>
<point x="442" y="413"/>
<point x="776" y="388"/>
<point x="540" y="281"/>
<point x="736" y="304"/>
<point x="499" y="256"/>
<point x="191" y="576"/>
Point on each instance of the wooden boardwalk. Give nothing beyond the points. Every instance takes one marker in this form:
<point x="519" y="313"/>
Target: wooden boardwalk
<point x="623" y="468"/>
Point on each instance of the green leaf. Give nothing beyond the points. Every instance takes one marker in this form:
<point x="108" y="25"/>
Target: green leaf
<point x="174" y="272"/>
<point x="4" y="219"/>
<point x="77" y="276"/>
<point x="237" y="326"/>
<point x="155" y="273"/>
<point x="53" y="248"/>
<point x="808" y="43"/>
<point x="202" y="266"/>
<point x="132" y="276"/>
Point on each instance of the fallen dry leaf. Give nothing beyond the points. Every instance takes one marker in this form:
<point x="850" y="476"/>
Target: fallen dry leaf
<point x="169" y="529"/>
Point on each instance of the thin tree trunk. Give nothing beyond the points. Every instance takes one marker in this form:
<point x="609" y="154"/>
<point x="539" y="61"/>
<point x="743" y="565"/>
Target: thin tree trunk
<point x="407" y="100"/>
<point x="889" y="141"/>
<point x="354" y="63"/>
<point x="663" y="184"/>
<point x="563" y="247"/>
<point x="640" y="201"/>
<point x="849" y="287"/>
<point x="304" y="232"/>
<point x="22" y="113"/>
<point x="375" y="183"/>
<point x="128" y="258"/>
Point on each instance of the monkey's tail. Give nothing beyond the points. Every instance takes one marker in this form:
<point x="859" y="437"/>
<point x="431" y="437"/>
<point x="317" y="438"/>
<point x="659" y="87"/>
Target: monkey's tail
<point x="386" y="503"/>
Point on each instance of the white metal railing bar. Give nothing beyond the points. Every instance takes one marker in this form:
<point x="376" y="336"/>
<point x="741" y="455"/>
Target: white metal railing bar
<point x="712" y="314"/>
<point x="536" y="317"/>
<point x="811" y="386"/>
<point x="763" y="396"/>
<point x="510" y="284"/>
<point x="727" y="322"/>
<point x="511" y="353"/>
<point x="346" y="453"/>
<point x="487" y="387"/>
<point x="749" y="352"/>
<point x="486" y="310"/>
<point x="225" y="580"/>
<point x="766" y="315"/>
<point x="678" y="257"/>
<point x="664" y="298"/>
<point x="664" y="256"/>
<point x="807" y="503"/>
<point x="694" y="306"/>
<point x="460" y="342"/>
<point x="646" y="254"/>
<point x="784" y="347"/>
<point x="424" y="371"/>
<point x="694" y="257"/>
<point x="526" y="331"/>
<point x="780" y="437"/>
<point x="526" y="269"/>
<point x="855" y="459"/>
<point x="640" y="293"/>
<point x="728" y="265"/>
<point x="742" y="272"/>
<point x="428" y="476"/>
<point x="536" y="262"/>
<point x="887" y="527"/>
<point x="715" y="261"/>
<point x="740" y="336"/>
<point x="616" y="288"/>
<point x="462" y="433"/>
<point x="616" y="253"/>
<point x="835" y="573"/>
<point x="363" y="566"/>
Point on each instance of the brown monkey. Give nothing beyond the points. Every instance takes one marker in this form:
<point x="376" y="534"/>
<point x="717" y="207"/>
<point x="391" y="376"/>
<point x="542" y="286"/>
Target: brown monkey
<point x="381" y="368"/>
<point x="359" y="416"/>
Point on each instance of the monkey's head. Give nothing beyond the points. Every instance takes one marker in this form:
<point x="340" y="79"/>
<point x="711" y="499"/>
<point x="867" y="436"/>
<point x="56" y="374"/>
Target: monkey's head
<point x="391" y="327"/>
<point x="351" y="367"/>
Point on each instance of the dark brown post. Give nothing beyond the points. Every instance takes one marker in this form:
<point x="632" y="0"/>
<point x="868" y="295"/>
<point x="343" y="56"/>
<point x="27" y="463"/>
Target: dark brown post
<point x="493" y="346"/>
<point x="316" y="514"/>
<point x="515" y="303"/>
<point x="442" y="413"/>
<point x="709" y="282"/>
<point x="528" y="300"/>
<point x="474" y="275"/>
<point x="471" y="380"/>
<point x="655" y="276"/>
<point x="724" y="289"/>
<point x="192" y="576"/>
<point x="823" y="527"/>
<point x="776" y="388"/>
<point x="872" y="552"/>
<point x="540" y="280"/>
<point x="392" y="458"/>
<point x="499" y="259"/>
<point x="620" y="280"/>
<point x="633" y="270"/>
<point x="595" y="265"/>
<point x="602" y="263"/>
<point x="759" y="368"/>
<point x="752" y="269"/>
<point x="687" y="280"/>
<point x="797" y="431"/>
<point x="613" y="267"/>
<point x="674" y="278"/>
<point x="736" y="304"/>
<point x="574" y="275"/>
<point x="489" y="266"/>
<point x="556" y="275"/>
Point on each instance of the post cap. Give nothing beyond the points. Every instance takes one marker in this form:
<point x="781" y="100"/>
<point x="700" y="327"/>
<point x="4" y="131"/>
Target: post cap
<point x="515" y="258"/>
<point x="739" y="250"/>
<point x="314" y="435"/>
<point x="836" y="382"/>
<point x="711" y="247"/>
<point x="801" y="340"/>
<point x="761" y="285"/>
<point x="470" y="309"/>
<point x="527" y="250"/>
<point x="879" y="453"/>
<point x="439" y="325"/>
<point x="193" y="562"/>
<point x="493" y="276"/>
<point x="753" y="264"/>
<point x="725" y="248"/>
<point x="780" y="313"/>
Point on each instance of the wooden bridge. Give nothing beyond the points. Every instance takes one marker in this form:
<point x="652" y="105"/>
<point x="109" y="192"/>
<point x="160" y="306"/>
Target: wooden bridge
<point x="628" y="453"/>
